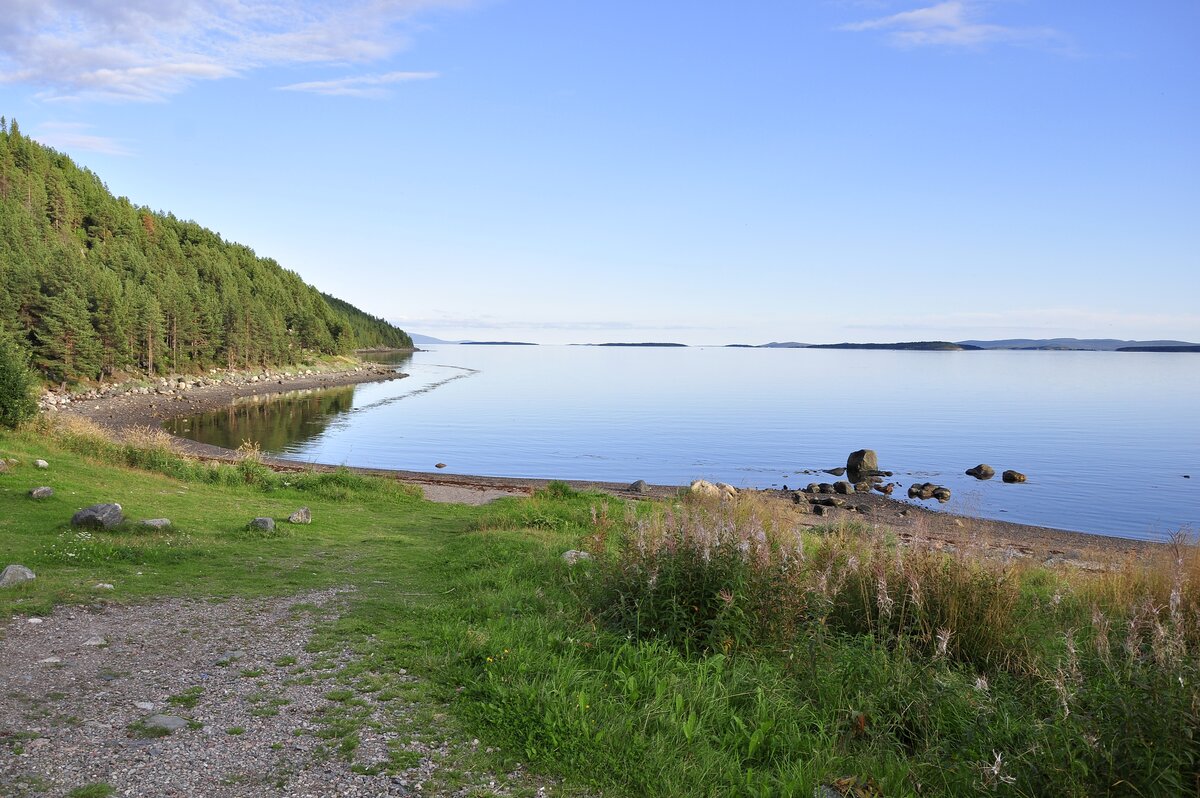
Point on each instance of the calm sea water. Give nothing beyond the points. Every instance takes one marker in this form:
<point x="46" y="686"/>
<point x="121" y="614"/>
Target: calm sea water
<point x="1105" y="438"/>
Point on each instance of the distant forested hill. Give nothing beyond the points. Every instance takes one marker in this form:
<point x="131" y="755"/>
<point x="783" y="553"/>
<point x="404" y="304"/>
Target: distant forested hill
<point x="93" y="285"/>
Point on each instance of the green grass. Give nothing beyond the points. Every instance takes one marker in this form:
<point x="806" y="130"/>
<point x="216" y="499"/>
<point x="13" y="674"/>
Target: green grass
<point x="710" y="679"/>
<point x="96" y="790"/>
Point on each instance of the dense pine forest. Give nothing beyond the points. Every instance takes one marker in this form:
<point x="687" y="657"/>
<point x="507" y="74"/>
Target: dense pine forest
<point x="93" y="286"/>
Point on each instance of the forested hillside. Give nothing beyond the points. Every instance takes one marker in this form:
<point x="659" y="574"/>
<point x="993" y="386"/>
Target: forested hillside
<point x="93" y="285"/>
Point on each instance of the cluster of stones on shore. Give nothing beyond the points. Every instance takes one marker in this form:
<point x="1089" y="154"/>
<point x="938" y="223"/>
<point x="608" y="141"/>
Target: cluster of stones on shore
<point x="863" y="477"/>
<point x="174" y="388"/>
<point x="108" y="516"/>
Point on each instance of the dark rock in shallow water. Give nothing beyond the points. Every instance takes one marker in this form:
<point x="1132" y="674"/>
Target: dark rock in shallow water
<point x="837" y="472"/>
<point x="941" y="494"/>
<point x="862" y="462"/>
<point x="1011" y="476"/>
<point x="982" y="471"/>
<point x="99" y="516"/>
<point x="886" y="490"/>
<point x="925" y="490"/>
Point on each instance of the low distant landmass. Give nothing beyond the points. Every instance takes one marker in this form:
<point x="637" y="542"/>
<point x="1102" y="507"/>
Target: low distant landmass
<point x="418" y="339"/>
<point x="1179" y="348"/>
<point x="1021" y="344"/>
<point x="496" y="343"/>
<point x="648" y="343"/>
<point x="908" y="346"/>
<point x="1086" y="344"/>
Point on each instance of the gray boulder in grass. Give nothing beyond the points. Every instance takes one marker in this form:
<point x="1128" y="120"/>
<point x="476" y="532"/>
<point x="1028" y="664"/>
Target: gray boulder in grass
<point x="43" y="492"/>
<point x="99" y="516"/>
<point x="301" y="516"/>
<point x="15" y="574"/>
<point x="263" y="524"/>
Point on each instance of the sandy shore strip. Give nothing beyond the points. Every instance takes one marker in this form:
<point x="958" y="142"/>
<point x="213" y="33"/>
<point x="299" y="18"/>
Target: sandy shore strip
<point x="909" y="521"/>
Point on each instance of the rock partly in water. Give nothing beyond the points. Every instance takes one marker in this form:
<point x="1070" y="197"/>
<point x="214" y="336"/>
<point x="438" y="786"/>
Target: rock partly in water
<point x="99" y="516"/>
<point x="887" y="489"/>
<point x="574" y="555"/>
<point x="263" y="524"/>
<point x="301" y="516"/>
<point x="15" y="574"/>
<point x="43" y="492"/>
<point x="1012" y="476"/>
<point x="155" y="523"/>
<point x="925" y="490"/>
<point x="837" y="472"/>
<point x="942" y="494"/>
<point x="981" y="471"/>
<point x="862" y="463"/>
<point x="638" y="487"/>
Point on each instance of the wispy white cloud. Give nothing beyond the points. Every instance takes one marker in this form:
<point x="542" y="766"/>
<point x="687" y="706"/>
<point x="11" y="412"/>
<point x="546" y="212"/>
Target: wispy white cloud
<point x="147" y="50"/>
<point x="74" y="136"/>
<point x="955" y="23"/>
<point x="371" y="86"/>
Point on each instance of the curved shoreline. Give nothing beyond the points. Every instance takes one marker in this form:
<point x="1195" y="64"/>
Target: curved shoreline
<point x="911" y="522"/>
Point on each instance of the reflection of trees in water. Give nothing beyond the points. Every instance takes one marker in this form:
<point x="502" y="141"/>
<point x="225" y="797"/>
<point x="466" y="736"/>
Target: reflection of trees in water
<point x="397" y="359"/>
<point x="274" y="421"/>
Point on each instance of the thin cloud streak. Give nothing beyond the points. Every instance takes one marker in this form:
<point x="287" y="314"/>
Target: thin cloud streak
<point x="954" y="23"/>
<point x="148" y="50"/>
<point x="366" y="86"/>
<point x="74" y="136"/>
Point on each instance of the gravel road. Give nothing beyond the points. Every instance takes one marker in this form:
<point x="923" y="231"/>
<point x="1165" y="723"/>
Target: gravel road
<point x="78" y="687"/>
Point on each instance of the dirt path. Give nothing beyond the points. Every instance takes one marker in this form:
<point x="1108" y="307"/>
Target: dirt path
<point x="81" y="686"/>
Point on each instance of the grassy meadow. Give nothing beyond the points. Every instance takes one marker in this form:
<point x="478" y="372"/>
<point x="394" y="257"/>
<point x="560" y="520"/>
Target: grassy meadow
<point x="706" y="649"/>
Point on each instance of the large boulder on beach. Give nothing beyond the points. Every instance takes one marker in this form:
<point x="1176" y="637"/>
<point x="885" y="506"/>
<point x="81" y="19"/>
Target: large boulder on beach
<point x="1012" y="476"/>
<point x="15" y="574"/>
<point x="639" y="487"/>
<point x="981" y="471"/>
<point x="864" y="462"/>
<point x="702" y="487"/>
<point x="843" y="487"/>
<point x="99" y="516"/>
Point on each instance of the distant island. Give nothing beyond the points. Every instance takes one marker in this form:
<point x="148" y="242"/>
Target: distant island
<point x="1178" y="348"/>
<point x="910" y="346"/>
<point x="648" y="343"/>
<point x="1017" y="344"/>
<point x="496" y="343"/>
<point x="1085" y="344"/>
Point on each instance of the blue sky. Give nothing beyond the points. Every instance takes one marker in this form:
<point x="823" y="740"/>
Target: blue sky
<point x="704" y="172"/>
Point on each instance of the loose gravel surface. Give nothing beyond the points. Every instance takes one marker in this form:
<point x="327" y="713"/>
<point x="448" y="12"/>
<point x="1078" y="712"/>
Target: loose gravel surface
<point x="78" y="690"/>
